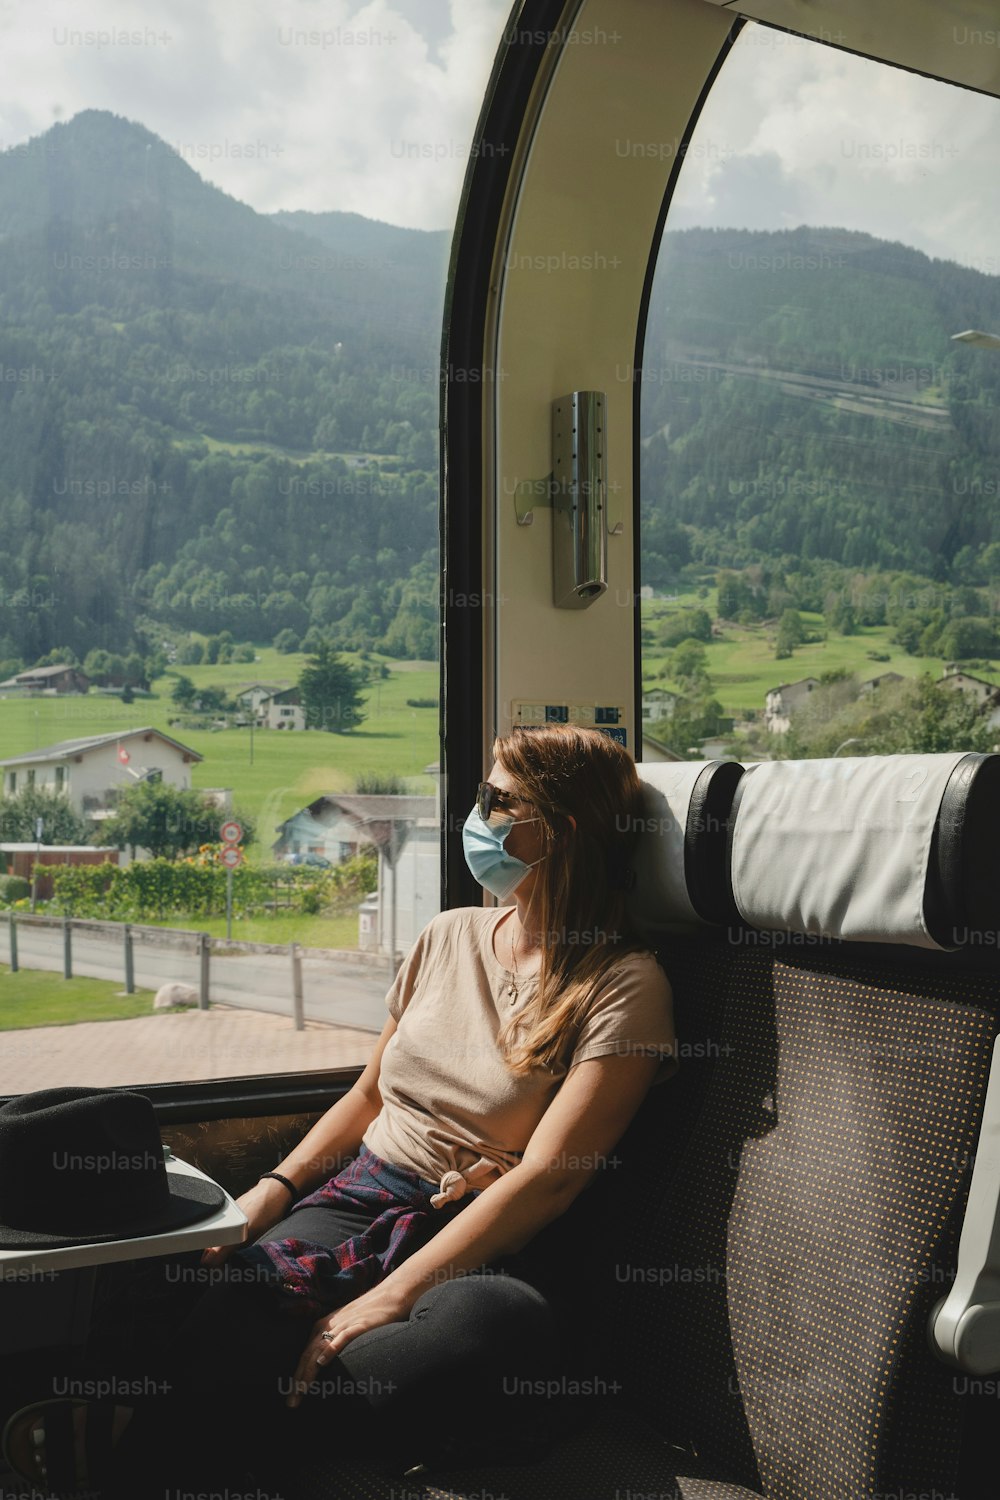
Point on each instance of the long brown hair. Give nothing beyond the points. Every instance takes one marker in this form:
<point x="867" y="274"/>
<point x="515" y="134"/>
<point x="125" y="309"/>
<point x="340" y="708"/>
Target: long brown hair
<point x="578" y="902"/>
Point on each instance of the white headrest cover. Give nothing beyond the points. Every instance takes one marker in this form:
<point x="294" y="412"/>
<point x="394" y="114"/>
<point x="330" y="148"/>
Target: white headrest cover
<point x="660" y="895"/>
<point x="839" y="847"/>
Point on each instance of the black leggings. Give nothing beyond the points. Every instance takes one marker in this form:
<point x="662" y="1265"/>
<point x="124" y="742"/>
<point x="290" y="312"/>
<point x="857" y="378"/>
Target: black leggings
<point x="465" y="1377"/>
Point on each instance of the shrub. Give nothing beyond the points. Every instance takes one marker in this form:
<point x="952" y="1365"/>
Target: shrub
<point x="356" y="877"/>
<point x="196" y="887"/>
<point x="687" y="624"/>
<point x="13" y="888"/>
<point x="61" y="824"/>
<point x="421" y="703"/>
<point x="379" y="784"/>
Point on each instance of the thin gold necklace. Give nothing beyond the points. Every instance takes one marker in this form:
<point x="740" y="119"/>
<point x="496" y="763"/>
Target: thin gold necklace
<point x="512" y="987"/>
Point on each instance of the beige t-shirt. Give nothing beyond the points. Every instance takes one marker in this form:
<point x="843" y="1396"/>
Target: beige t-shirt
<point x="452" y="1110"/>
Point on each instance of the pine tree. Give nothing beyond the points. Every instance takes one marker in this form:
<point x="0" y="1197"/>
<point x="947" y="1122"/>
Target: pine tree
<point x="330" y="691"/>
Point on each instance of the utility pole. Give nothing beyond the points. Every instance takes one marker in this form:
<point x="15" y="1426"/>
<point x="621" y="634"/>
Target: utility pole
<point x="39" y="830"/>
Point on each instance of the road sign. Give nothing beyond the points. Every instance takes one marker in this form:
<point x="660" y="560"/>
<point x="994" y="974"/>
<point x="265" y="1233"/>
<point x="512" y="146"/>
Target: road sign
<point x="231" y="856"/>
<point x="231" y="832"/>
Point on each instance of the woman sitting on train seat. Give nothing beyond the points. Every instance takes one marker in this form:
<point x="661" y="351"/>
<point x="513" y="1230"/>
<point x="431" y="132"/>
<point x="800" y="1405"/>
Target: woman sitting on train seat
<point x="521" y="1042"/>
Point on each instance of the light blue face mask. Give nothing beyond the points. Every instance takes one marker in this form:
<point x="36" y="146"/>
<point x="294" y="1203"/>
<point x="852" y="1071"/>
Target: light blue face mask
<point x="497" y="871"/>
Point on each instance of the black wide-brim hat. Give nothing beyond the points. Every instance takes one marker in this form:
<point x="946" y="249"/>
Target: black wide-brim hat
<point x="83" y="1166"/>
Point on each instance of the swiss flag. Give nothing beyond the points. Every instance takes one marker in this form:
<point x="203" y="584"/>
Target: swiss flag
<point x="123" y="755"/>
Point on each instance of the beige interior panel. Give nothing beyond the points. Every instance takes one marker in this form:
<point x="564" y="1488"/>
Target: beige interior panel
<point x="957" y="40"/>
<point x="569" y="288"/>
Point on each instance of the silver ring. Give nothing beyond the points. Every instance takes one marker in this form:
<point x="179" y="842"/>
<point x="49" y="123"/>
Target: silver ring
<point x="328" y="1338"/>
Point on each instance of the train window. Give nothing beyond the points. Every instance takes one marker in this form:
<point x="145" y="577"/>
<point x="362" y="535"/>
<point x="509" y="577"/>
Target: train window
<point x="222" y="277"/>
<point x="820" y="460"/>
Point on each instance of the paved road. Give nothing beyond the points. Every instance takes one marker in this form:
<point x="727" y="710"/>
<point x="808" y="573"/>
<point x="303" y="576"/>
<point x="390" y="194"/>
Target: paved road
<point x="335" y="991"/>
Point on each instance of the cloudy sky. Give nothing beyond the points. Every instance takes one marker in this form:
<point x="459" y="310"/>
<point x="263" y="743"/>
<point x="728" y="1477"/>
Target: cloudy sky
<point x="371" y="107"/>
<point x="796" y="133"/>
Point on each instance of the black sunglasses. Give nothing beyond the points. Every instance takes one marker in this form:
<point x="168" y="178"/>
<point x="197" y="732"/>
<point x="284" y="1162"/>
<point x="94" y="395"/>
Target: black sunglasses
<point x="490" y="799"/>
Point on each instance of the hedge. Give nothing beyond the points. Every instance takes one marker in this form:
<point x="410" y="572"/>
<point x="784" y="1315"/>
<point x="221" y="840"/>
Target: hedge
<point x="159" y="887"/>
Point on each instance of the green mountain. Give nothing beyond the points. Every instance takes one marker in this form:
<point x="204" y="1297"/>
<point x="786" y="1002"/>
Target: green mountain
<point x="213" y="418"/>
<point x="803" y="399"/>
<point x="100" y="212"/>
<point x="180" y="375"/>
<point x="409" y="256"/>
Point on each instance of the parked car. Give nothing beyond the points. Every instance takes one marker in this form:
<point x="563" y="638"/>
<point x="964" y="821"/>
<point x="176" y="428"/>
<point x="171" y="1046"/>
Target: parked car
<point x="316" y="861"/>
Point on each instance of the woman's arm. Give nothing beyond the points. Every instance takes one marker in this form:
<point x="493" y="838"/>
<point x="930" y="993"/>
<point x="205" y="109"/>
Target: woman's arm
<point x="583" y="1124"/>
<point x="585" y="1121"/>
<point x="336" y="1136"/>
<point x="332" y="1141"/>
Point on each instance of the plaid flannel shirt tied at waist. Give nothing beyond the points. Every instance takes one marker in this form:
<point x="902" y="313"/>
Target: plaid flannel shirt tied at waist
<point x="402" y="1207"/>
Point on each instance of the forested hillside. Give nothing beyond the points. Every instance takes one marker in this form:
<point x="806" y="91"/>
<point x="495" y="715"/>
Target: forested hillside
<point x="213" y="418"/>
<point x="803" y="399"/>
<point x="179" y="373"/>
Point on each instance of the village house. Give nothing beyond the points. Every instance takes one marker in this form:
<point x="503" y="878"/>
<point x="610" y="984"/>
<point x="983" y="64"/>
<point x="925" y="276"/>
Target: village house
<point x="284" y="713"/>
<point x="322" y="828"/>
<point x="658" y="703"/>
<point x="273" y="708"/>
<point x="405" y="831"/>
<point x="965" y="682"/>
<point x="987" y="694"/>
<point x="782" y="701"/>
<point x="255" y="694"/>
<point x="59" y="679"/>
<point x="872" y="684"/>
<point x="92" y="771"/>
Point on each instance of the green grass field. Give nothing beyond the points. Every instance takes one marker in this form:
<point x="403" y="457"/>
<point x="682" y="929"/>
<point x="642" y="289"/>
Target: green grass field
<point x="32" y="997"/>
<point x="293" y="455"/>
<point x="742" y="665"/>
<point x="288" y="769"/>
<point x="338" y="930"/>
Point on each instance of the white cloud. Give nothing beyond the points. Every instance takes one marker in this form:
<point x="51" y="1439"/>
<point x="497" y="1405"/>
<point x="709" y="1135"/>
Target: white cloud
<point x="282" y="103"/>
<point x="371" y="106"/>
<point x="797" y="133"/>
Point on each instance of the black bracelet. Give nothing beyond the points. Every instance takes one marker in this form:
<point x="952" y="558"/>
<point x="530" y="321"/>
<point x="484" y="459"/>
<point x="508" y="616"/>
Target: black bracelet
<point x="284" y="1183"/>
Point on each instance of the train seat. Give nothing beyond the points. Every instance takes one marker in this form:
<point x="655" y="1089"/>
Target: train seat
<point x="787" y="1211"/>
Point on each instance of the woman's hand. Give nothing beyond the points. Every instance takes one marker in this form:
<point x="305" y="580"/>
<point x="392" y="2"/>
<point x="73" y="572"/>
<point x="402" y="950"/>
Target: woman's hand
<point x="264" y="1205"/>
<point x="373" y="1308"/>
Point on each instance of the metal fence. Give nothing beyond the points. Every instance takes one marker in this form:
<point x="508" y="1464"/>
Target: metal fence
<point x="122" y="938"/>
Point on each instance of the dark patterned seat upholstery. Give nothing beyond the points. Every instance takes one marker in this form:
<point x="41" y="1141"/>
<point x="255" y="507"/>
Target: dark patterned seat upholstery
<point x="619" y="1455"/>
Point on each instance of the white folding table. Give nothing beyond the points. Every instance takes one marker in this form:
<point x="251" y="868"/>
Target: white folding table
<point x="60" y="1312"/>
